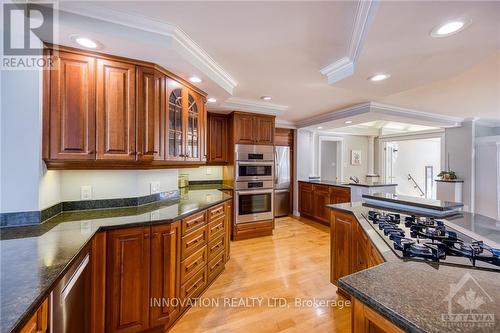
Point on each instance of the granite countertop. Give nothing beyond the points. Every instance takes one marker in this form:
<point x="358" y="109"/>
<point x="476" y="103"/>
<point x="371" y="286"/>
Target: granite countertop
<point x="374" y="184"/>
<point x="325" y="182"/>
<point x="340" y="184"/>
<point x="415" y="201"/>
<point x="32" y="258"/>
<point x="413" y="294"/>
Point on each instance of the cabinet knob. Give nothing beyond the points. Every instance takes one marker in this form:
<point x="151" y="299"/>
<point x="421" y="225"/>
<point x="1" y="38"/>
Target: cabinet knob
<point x="146" y="236"/>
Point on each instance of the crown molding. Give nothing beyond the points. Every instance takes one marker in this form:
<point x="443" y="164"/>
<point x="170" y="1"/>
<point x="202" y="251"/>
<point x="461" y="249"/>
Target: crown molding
<point x="488" y="122"/>
<point x="179" y="40"/>
<point x="383" y="109"/>
<point x="335" y="115"/>
<point x="344" y="67"/>
<point x="239" y="104"/>
<point x="282" y="123"/>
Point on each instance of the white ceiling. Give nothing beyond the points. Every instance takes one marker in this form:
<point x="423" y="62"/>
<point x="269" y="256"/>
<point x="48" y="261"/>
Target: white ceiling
<point x="278" y="48"/>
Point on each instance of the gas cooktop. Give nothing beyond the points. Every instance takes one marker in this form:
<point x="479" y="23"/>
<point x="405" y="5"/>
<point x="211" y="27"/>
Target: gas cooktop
<point x="427" y="239"/>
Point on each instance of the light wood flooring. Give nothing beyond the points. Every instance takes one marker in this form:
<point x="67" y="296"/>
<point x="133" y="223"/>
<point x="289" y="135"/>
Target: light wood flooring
<point x="294" y="262"/>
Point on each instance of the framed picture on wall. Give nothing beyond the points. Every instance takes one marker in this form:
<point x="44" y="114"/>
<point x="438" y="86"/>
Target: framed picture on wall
<point x="356" y="157"/>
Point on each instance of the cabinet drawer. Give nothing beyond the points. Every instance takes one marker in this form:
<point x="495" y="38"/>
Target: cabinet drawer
<point x="215" y="212"/>
<point x="193" y="264"/>
<point x="194" y="286"/>
<point x="193" y="241"/>
<point x="216" y="246"/>
<point x="306" y="186"/>
<point x="216" y="228"/>
<point x="193" y="222"/>
<point x="321" y="188"/>
<point x="215" y="266"/>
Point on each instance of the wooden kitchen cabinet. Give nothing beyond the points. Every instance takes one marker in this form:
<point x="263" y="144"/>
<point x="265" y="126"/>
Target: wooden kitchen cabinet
<point x="350" y="250"/>
<point x="115" y="105"/>
<point x="193" y="131"/>
<point x="72" y="108"/>
<point x="365" y="320"/>
<point x="322" y="198"/>
<point x="253" y="129"/>
<point x="313" y="199"/>
<point x="341" y="245"/>
<point x="165" y="272"/>
<point x="150" y="114"/>
<point x="264" y="130"/>
<point x="306" y="201"/>
<point x="217" y="137"/>
<point x="127" y="280"/>
<point x="107" y="112"/>
<point x="185" y="124"/>
<point x="38" y="323"/>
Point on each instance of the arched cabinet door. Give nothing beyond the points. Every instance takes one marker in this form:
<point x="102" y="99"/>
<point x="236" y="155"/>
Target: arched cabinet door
<point x="175" y="122"/>
<point x="193" y="133"/>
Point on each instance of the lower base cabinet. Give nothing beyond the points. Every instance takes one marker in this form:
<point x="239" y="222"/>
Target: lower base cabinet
<point x="140" y="282"/>
<point x="38" y="323"/>
<point x="365" y="320"/>
<point x="313" y="199"/>
<point x="252" y="229"/>
<point x="350" y="250"/>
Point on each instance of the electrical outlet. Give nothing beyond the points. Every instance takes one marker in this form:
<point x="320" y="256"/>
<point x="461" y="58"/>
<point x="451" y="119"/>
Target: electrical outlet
<point x="86" y="192"/>
<point x="155" y="187"/>
<point x="209" y="171"/>
<point x="155" y="215"/>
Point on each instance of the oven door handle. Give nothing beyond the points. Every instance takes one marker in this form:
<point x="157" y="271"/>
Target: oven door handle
<point x="270" y="191"/>
<point x="264" y="163"/>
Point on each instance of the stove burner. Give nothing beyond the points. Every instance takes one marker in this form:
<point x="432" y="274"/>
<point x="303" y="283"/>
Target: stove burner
<point x="429" y="239"/>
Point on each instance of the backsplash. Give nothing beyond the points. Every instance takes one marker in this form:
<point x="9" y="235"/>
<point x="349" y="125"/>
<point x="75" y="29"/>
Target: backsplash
<point x="203" y="173"/>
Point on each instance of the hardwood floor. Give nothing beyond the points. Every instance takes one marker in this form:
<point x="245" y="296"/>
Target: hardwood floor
<point x="292" y="263"/>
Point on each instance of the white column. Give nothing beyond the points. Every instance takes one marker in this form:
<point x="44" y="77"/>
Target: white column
<point x="371" y="154"/>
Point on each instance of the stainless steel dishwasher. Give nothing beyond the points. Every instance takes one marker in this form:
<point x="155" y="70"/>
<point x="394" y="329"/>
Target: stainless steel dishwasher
<point x="70" y="299"/>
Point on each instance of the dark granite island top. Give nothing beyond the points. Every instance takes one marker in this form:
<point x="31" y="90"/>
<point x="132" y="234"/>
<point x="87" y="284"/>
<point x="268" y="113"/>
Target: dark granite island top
<point x="414" y="201"/>
<point x="414" y="295"/>
<point x="340" y="184"/>
<point x="33" y="258"/>
<point x="324" y="182"/>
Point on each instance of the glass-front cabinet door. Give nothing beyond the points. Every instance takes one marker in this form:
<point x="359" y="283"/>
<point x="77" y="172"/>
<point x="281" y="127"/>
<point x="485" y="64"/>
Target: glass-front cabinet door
<point x="175" y="122"/>
<point x="193" y="129"/>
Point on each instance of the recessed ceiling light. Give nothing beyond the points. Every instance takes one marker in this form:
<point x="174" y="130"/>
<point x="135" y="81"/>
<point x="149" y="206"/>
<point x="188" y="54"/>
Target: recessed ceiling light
<point x="195" y="79"/>
<point x="85" y="42"/>
<point x="379" y="77"/>
<point x="266" y="98"/>
<point x="320" y="127"/>
<point x="211" y="100"/>
<point x="348" y="121"/>
<point x="450" y="28"/>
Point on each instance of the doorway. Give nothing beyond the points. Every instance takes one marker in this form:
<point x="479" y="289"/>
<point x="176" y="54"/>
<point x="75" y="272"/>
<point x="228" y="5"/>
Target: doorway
<point x="413" y="165"/>
<point x="330" y="152"/>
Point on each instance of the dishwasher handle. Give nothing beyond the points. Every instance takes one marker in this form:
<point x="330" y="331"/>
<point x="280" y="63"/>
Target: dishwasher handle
<point x="74" y="278"/>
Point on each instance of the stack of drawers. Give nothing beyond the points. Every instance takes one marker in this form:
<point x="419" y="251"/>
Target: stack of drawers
<point x="203" y="246"/>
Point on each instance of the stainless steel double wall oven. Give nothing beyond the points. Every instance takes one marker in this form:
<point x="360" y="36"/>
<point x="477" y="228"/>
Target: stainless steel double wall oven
<point x="254" y="179"/>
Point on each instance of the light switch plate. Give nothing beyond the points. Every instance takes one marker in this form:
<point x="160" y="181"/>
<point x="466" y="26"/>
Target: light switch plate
<point x="155" y="187"/>
<point x="86" y="192"/>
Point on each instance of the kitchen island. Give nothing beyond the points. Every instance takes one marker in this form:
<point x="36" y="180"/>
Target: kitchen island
<point x="315" y="194"/>
<point x="35" y="258"/>
<point x="398" y="294"/>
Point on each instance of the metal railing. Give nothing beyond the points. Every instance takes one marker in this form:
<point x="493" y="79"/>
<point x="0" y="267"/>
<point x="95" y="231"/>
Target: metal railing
<point x="422" y="193"/>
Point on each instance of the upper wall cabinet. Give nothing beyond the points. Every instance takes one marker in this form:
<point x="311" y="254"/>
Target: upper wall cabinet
<point x="107" y="112"/>
<point x="115" y="110"/>
<point x="253" y="129"/>
<point x="150" y="114"/>
<point x="72" y="108"/>
<point x="217" y="138"/>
